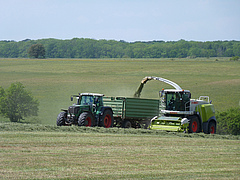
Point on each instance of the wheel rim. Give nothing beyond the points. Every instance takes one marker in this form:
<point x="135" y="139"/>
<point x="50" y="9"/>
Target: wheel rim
<point x="194" y="126"/>
<point x="212" y="129"/>
<point x="88" y="121"/>
<point x="107" y="121"/>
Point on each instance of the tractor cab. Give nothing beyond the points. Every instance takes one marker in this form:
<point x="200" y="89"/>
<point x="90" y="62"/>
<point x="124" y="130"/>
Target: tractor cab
<point x="92" y="100"/>
<point x="175" y="100"/>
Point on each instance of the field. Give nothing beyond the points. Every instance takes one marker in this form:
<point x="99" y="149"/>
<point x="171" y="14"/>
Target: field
<point x="45" y="151"/>
<point x="52" y="81"/>
<point x="51" y="152"/>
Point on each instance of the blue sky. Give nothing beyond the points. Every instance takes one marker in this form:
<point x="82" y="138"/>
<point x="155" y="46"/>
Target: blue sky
<point x="129" y="20"/>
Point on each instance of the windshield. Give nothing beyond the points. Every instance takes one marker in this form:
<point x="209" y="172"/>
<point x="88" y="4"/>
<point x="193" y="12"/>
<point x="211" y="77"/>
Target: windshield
<point x="177" y="101"/>
<point x="86" y="100"/>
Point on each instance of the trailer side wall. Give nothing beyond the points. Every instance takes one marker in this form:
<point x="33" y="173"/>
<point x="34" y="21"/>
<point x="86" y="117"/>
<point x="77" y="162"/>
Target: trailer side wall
<point x="133" y="108"/>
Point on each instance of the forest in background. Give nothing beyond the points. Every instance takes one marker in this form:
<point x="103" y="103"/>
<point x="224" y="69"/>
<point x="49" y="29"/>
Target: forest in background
<point x="91" y="48"/>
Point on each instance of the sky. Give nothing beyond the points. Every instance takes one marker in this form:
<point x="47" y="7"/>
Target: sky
<point x="128" y="20"/>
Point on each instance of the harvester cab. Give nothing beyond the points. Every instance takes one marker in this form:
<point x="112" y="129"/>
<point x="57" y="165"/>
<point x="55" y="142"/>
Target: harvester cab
<point x="175" y="100"/>
<point x="87" y="110"/>
<point x="179" y="112"/>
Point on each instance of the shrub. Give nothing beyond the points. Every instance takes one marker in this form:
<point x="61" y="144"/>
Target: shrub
<point x="229" y="121"/>
<point x="234" y="58"/>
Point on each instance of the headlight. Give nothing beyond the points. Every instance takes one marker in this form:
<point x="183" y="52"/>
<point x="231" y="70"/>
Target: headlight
<point x="184" y="121"/>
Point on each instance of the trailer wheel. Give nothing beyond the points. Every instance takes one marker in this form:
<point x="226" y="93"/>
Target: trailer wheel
<point x="107" y="119"/>
<point x="86" y="119"/>
<point x="212" y="127"/>
<point x="194" y="125"/>
<point x="126" y="124"/>
<point x="61" y="119"/>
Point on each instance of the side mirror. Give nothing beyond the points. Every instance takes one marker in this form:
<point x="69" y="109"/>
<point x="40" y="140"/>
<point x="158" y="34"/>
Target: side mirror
<point x="161" y="93"/>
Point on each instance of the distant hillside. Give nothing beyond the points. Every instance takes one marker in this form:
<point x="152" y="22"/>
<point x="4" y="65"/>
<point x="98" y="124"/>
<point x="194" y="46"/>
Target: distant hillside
<point x="90" y="48"/>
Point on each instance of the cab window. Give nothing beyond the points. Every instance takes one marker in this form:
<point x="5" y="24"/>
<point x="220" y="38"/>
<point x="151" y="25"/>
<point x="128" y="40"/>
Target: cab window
<point x="86" y="100"/>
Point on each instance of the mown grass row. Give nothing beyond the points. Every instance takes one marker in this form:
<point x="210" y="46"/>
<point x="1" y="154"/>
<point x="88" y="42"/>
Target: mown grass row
<point x="52" y="128"/>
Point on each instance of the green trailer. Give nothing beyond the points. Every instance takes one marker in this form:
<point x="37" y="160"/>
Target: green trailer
<point x="132" y="112"/>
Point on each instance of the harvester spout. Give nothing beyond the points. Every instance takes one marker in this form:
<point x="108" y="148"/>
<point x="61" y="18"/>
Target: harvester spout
<point x="148" y="78"/>
<point x="139" y="90"/>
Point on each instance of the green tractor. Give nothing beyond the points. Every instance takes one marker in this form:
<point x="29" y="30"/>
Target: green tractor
<point x="181" y="113"/>
<point x="87" y="110"/>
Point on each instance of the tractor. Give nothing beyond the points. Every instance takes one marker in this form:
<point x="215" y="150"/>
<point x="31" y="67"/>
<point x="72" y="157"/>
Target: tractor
<point x="181" y="113"/>
<point x="88" y="110"/>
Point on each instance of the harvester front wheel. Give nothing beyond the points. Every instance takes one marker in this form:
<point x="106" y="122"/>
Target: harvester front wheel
<point x="61" y="119"/>
<point x="107" y="119"/>
<point x="194" y="126"/>
<point x="212" y="128"/>
<point x="86" y="119"/>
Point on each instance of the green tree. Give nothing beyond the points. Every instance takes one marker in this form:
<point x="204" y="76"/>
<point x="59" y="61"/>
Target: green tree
<point x="37" y="51"/>
<point x="17" y="103"/>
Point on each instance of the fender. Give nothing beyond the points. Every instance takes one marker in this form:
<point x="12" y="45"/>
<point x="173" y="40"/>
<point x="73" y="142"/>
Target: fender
<point x="104" y="108"/>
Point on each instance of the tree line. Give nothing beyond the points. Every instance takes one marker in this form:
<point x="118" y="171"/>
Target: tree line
<point x="90" y="48"/>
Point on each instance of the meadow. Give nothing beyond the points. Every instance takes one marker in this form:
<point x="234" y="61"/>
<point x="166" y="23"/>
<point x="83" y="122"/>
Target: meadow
<point x="45" y="151"/>
<point x="52" y="81"/>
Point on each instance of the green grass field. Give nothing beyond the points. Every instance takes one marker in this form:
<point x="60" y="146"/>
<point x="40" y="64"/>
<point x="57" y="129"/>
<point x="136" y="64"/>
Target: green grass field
<point x="51" y="152"/>
<point x="45" y="151"/>
<point x="52" y="81"/>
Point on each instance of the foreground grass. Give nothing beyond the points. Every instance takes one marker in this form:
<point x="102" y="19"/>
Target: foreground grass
<point x="50" y="152"/>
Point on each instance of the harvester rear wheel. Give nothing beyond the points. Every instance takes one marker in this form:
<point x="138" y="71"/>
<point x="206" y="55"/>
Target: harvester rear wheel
<point x="212" y="128"/>
<point x="107" y="119"/>
<point x="86" y="119"/>
<point x="61" y="119"/>
<point x="194" y="126"/>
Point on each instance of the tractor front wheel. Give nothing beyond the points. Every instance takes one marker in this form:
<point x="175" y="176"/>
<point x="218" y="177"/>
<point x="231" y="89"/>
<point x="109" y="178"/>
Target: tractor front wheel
<point x="107" y="119"/>
<point x="61" y="119"/>
<point x="86" y="119"/>
<point x="194" y="126"/>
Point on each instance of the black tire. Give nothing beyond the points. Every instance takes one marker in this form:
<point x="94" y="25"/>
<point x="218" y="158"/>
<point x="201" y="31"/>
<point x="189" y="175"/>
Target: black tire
<point x="107" y="119"/>
<point x="61" y="119"/>
<point x="86" y="119"/>
<point x="145" y="124"/>
<point x="212" y="127"/>
<point x="194" y="125"/>
<point x="126" y="124"/>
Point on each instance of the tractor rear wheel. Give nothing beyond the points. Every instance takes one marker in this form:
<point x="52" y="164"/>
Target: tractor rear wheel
<point x="194" y="126"/>
<point x="107" y="119"/>
<point x="212" y="128"/>
<point x="61" y="119"/>
<point x="86" y="119"/>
